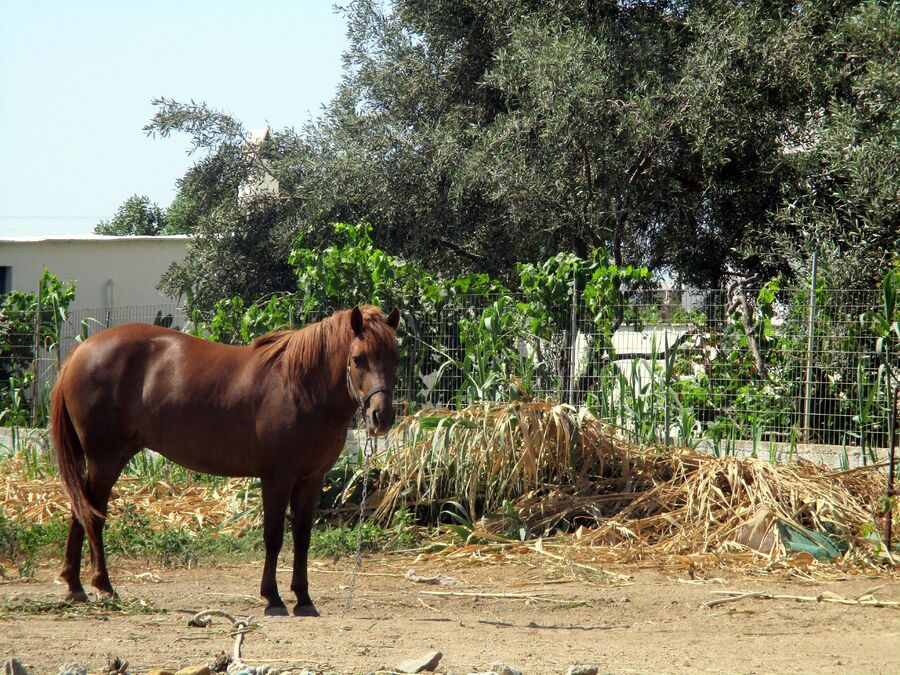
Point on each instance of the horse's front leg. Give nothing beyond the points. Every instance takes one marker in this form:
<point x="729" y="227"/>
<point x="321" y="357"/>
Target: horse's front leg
<point x="275" y="494"/>
<point x="304" y="499"/>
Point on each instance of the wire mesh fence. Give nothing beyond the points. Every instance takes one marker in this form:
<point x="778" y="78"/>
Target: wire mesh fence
<point x="725" y="367"/>
<point x="34" y="344"/>
<point x="717" y="368"/>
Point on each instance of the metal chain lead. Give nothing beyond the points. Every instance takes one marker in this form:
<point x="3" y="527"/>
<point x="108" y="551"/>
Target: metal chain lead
<point x="368" y="452"/>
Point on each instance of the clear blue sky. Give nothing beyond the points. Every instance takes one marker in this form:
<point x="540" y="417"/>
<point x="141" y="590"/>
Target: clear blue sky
<point x="76" y="80"/>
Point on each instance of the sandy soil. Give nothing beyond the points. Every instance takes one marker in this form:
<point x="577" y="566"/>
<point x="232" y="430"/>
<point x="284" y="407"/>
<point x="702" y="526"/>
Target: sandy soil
<point x="650" y="624"/>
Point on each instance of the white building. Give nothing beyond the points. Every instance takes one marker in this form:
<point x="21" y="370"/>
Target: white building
<point x="261" y="182"/>
<point x="109" y="271"/>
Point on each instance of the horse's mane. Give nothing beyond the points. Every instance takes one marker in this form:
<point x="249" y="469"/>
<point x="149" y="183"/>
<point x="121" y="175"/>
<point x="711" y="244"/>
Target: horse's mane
<point x="310" y="356"/>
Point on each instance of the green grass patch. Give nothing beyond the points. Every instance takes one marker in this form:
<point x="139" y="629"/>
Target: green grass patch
<point x="93" y="609"/>
<point x="336" y="541"/>
<point x="130" y="535"/>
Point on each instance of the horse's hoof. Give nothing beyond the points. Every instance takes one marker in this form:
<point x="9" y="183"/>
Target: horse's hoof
<point x="276" y="610"/>
<point x="305" y="610"/>
<point x="107" y="595"/>
<point x="77" y="596"/>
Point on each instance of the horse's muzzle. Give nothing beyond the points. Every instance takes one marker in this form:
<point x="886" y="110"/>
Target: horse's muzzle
<point x="380" y="415"/>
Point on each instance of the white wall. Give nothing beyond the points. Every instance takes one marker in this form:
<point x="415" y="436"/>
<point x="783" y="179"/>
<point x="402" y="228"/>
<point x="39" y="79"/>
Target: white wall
<point x="110" y="271"/>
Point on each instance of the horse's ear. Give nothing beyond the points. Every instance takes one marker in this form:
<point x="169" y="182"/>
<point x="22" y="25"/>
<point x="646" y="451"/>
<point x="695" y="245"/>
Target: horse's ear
<point x="393" y="319"/>
<point x="356" y="320"/>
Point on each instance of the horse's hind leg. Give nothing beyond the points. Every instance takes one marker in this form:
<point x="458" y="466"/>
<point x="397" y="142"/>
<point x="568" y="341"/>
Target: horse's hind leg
<point x="71" y="572"/>
<point x="99" y="486"/>
<point x="101" y="478"/>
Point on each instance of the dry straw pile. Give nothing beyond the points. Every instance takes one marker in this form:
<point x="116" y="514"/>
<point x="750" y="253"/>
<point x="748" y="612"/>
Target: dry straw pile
<point x="560" y="474"/>
<point x="559" y="467"/>
<point x="165" y="504"/>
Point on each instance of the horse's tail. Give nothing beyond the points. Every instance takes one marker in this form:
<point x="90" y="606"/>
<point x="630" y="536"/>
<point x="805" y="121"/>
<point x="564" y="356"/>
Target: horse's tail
<point x="70" y="457"/>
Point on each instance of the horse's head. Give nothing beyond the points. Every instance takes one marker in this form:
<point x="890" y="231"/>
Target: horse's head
<point x="372" y="366"/>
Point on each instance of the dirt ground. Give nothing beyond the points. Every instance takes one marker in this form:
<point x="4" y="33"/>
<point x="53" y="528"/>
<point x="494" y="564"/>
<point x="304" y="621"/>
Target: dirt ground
<point x="651" y="623"/>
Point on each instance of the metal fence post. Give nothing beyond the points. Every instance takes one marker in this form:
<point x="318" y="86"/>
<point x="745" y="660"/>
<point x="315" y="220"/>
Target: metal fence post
<point x="809" y="346"/>
<point x="35" y="370"/>
<point x="892" y="442"/>
<point x="666" y="420"/>
<point x="573" y="339"/>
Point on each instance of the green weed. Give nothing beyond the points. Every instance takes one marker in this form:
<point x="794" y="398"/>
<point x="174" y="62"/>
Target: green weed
<point x="94" y="609"/>
<point x="127" y="536"/>
<point x="130" y="535"/>
<point x="336" y="541"/>
<point x="21" y="543"/>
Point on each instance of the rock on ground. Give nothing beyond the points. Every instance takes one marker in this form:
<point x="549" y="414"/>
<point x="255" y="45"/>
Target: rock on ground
<point x="194" y="670"/>
<point x="427" y="662"/>
<point x="504" y="669"/>
<point x="12" y="667"/>
<point x="582" y="670"/>
<point x="73" y="669"/>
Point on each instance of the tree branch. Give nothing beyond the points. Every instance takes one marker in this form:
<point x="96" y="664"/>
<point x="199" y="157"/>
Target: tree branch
<point x="456" y="248"/>
<point x="739" y="301"/>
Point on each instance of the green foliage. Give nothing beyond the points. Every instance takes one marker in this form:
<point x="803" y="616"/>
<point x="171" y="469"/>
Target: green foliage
<point x="336" y="541"/>
<point x="549" y="287"/>
<point x="18" y="319"/>
<point x="885" y="325"/>
<point x="697" y="138"/>
<point x="137" y="216"/>
<point x="129" y="535"/>
<point x="492" y="364"/>
<point x="505" y="526"/>
<point x="100" y="608"/>
<point x="238" y="247"/>
<point x="468" y="333"/>
<point x="712" y="389"/>
<point x="132" y="535"/>
<point x="22" y="544"/>
<point x="472" y="338"/>
<point x="354" y="271"/>
<point x="838" y="189"/>
<point x="234" y="322"/>
<point x="350" y="271"/>
<point x="31" y="445"/>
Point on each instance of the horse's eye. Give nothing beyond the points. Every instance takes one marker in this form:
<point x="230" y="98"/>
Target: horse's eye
<point x="359" y="361"/>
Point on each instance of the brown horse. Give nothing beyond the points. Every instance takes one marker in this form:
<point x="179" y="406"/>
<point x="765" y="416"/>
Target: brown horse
<point x="278" y="409"/>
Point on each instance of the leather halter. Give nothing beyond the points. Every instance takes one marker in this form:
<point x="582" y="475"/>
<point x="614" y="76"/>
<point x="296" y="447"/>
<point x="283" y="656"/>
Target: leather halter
<point x="362" y="399"/>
